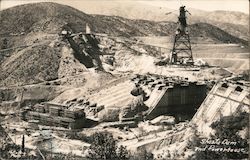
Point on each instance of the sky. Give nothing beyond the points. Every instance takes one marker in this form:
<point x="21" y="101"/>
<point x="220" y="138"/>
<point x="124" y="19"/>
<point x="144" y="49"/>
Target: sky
<point x="207" y="5"/>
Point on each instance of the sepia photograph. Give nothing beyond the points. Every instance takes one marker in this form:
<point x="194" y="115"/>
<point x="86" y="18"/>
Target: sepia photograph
<point x="124" y="80"/>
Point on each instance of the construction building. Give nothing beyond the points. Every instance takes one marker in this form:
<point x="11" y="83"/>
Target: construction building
<point x="171" y="96"/>
<point x="55" y="115"/>
<point x="159" y="95"/>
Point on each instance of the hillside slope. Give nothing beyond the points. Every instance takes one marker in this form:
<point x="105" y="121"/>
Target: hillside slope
<point x="34" y="67"/>
<point x="35" y="51"/>
<point x="151" y="28"/>
<point x="235" y="23"/>
<point x="51" y="18"/>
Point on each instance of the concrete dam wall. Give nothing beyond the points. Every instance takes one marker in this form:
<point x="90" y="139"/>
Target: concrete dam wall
<point x="180" y="101"/>
<point x="173" y="96"/>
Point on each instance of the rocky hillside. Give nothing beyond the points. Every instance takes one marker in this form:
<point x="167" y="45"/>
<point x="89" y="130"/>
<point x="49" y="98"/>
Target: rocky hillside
<point x="199" y="29"/>
<point x="35" y="66"/>
<point x="52" y="17"/>
<point x="235" y="23"/>
<point x="61" y="59"/>
<point x="33" y="51"/>
<point x="152" y="12"/>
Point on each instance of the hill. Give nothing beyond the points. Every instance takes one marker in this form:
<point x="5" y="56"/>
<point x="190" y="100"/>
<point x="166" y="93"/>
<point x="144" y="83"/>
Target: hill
<point x="51" y="18"/>
<point x="35" y="51"/>
<point x="235" y="23"/>
<point x="165" y="28"/>
<point x="151" y="12"/>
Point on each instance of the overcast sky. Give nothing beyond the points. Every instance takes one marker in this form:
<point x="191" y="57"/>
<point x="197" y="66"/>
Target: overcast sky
<point x="208" y="5"/>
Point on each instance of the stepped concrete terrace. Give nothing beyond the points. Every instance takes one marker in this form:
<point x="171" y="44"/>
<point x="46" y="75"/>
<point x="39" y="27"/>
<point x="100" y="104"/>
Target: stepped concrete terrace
<point x="226" y="98"/>
<point x="115" y="96"/>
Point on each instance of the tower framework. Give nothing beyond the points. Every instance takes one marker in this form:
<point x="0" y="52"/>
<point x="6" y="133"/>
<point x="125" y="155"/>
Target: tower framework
<point x="182" y="50"/>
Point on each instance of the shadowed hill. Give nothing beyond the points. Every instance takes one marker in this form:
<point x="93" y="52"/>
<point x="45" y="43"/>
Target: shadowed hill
<point x="208" y="30"/>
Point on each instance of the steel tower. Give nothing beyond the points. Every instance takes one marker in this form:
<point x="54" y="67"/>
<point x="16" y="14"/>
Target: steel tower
<point x="182" y="51"/>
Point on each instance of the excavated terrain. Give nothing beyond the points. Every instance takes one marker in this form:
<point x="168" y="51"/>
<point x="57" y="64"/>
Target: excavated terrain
<point x="119" y="76"/>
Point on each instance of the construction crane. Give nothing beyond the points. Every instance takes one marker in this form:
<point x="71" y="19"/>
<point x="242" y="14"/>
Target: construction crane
<point x="182" y="51"/>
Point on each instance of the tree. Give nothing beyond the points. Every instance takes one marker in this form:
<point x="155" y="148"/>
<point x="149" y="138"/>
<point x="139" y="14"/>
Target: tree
<point x="23" y="144"/>
<point x="143" y="154"/>
<point x="246" y="75"/>
<point x="5" y="43"/>
<point x="104" y="147"/>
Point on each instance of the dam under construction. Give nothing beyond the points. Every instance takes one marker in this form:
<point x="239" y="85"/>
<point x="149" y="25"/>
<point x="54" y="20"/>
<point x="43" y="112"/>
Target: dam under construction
<point x="169" y="110"/>
<point x="155" y="90"/>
